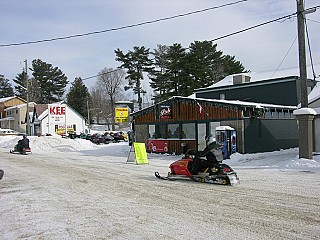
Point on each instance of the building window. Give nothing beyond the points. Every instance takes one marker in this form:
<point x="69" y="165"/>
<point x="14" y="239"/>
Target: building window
<point x="268" y="114"/>
<point x="161" y="131"/>
<point x="152" y="131"/>
<point x="281" y="114"/>
<point x="212" y="129"/>
<point x="188" y="130"/>
<point x="172" y="130"/>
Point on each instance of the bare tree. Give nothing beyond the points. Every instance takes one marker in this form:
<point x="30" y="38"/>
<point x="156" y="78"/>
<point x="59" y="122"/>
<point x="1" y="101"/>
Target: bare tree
<point x="98" y="104"/>
<point x="111" y="82"/>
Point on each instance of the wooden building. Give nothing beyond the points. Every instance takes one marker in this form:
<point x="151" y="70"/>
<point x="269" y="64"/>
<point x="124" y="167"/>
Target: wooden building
<point x="6" y="103"/>
<point x="170" y="125"/>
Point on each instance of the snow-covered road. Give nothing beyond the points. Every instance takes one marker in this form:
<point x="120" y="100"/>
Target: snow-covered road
<point x="64" y="190"/>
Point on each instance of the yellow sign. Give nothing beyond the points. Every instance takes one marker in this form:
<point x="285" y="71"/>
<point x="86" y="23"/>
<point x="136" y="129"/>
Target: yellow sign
<point x="141" y="153"/>
<point x="122" y="115"/>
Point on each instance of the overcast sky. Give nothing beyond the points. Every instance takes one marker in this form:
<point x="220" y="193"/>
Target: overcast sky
<point x="260" y="49"/>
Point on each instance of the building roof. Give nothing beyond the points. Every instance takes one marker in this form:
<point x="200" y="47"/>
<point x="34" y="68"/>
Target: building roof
<point x="227" y="103"/>
<point x="20" y="106"/>
<point x="5" y="99"/>
<point x="42" y="109"/>
<point x="314" y="95"/>
<point x="266" y="75"/>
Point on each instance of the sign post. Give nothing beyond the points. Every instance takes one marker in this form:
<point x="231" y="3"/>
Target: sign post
<point x="140" y="153"/>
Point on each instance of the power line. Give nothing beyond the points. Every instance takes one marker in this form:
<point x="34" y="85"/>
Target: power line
<point x="309" y="47"/>
<point x="123" y="27"/>
<point x="230" y="34"/>
<point x="261" y="24"/>
<point x="111" y="71"/>
<point x="285" y="56"/>
<point x="312" y="20"/>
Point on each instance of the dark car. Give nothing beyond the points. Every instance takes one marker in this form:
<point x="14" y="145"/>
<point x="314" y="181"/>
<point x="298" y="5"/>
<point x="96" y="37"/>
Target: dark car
<point x="108" y="138"/>
<point x="97" y="138"/>
<point x="117" y="136"/>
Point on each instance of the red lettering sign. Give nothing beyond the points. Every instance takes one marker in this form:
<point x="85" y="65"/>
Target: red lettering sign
<point x="57" y="110"/>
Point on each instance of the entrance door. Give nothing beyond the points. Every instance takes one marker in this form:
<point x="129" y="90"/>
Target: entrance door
<point x="202" y="127"/>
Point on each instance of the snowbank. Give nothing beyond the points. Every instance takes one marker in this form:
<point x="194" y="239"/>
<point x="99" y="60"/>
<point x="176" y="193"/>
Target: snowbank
<point x="284" y="159"/>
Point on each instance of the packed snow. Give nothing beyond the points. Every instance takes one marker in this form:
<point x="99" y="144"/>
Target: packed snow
<point x="74" y="189"/>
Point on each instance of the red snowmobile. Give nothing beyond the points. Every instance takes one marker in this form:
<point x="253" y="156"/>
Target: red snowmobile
<point x="217" y="173"/>
<point x="24" y="151"/>
<point x="22" y="147"/>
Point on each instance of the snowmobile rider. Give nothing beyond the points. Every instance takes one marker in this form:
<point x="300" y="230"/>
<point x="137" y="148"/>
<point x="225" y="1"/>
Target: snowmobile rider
<point x="208" y="152"/>
<point x="23" y="143"/>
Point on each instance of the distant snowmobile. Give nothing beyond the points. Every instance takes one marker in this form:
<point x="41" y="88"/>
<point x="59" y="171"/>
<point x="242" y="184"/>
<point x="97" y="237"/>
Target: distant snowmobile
<point x="22" y="147"/>
<point x="25" y="151"/>
<point x="217" y="173"/>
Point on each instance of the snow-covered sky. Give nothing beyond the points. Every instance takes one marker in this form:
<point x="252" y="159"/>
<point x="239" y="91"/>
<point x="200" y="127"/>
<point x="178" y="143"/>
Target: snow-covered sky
<point x="265" y="48"/>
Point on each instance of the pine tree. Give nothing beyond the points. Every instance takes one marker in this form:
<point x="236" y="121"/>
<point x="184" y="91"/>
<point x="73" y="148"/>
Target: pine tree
<point x="205" y="64"/>
<point x="77" y="96"/>
<point x="169" y="74"/>
<point x="136" y="62"/>
<point x="50" y="82"/>
<point x="231" y="65"/>
<point x="177" y="71"/>
<point x="6" y="89"/>
<point x="20" y="85"/>
<point x="158" y="80"/>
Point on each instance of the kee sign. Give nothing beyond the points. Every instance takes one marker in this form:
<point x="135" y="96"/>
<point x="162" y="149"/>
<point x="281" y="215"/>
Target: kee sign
<point x="57" y="110"/>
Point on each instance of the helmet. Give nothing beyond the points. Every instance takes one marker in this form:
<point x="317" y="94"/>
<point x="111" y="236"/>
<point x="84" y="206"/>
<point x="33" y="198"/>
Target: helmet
<point x="210" y="139"/>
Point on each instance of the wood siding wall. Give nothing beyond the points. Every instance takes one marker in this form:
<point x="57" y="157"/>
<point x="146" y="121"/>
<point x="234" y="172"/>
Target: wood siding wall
<point x="182" y="111"/>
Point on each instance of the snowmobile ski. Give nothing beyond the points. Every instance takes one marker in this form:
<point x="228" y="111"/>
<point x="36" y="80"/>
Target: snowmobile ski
<point x="25" y="151"/>
<point x="157" y="174"/>
<point x="182" y="169"/>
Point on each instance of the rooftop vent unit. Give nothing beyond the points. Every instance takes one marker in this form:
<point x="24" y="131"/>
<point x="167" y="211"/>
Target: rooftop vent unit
<point x="240" y="79"/>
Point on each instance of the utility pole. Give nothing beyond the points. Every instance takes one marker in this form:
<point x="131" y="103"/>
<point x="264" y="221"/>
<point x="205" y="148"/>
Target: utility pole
<point x="27" y="87"/>
<point x="305" y="115"/>
<point x="88" y="115"/>
<point x="302" y="53"/>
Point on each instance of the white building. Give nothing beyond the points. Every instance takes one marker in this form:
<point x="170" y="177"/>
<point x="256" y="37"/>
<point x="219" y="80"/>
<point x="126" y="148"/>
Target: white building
<point x="57" y="118"/>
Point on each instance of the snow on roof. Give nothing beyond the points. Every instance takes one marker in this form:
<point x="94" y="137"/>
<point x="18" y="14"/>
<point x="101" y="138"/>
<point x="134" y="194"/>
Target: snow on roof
<point x="6" y="99"/>
<point x="227" y="102"/>
<point x="248" y="104"/>
<point x="305" y="111"/>
<point x="266" y="75"/>
<point x="314" y="95"/>
<point x="222" y="128"/>
<point x="19" y="106"/>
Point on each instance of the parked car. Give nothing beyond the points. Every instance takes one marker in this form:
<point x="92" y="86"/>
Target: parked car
<point x="117" y="136"/>
<point x="97" y="138"/>
<point x="108" y="138"/>
<point x="4" y="131"/>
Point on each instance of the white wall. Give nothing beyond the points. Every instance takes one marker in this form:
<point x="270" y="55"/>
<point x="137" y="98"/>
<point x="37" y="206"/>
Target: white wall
<point x="72" y="118"/>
